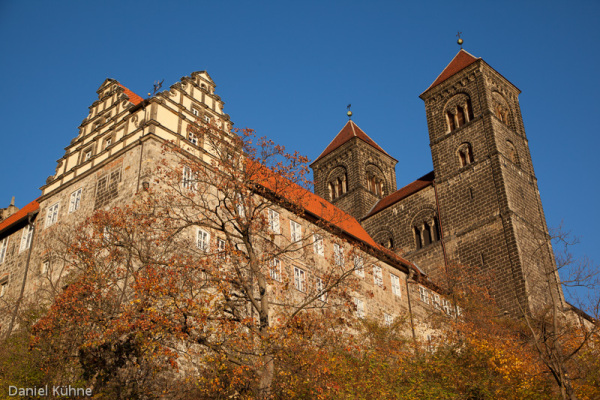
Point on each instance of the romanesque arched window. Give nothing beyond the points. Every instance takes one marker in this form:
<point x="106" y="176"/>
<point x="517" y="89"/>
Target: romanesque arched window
<point x="501" y="108"/>
<point x="465" y="154"/>
<point x="512" y="152"/>
<point x="337" y="183"/>
<point x="458" y="111"/>
<point x="375" y="181"/>
<point x="426" y="230"/>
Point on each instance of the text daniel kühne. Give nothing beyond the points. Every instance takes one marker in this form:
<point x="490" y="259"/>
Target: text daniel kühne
<point x="45" y="391"/>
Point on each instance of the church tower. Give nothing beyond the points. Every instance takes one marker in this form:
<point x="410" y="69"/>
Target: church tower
<point x="490" y="209"/>
<point x="354" y="172"/>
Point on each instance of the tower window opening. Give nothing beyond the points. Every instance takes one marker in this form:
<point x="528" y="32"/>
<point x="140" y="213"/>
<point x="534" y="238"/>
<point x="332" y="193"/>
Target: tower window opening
<point x="418" y="241"/>
<point x="451" y="124"/>
<point x="426" y="234"/>
<point x="469" y="110"/>
<point x="338" y="187"/>
<point x="465" y="155"/>
<point x="460" y="116"/>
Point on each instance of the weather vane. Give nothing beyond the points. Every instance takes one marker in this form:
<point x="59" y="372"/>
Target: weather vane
<point x="157" y="86"/>
<point x="459" y="41"/>
<point x="349" y="113"/>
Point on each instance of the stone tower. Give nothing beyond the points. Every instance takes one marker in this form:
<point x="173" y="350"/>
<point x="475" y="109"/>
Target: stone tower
<point x="490" y="209"/>
<point x="354" y="172"/>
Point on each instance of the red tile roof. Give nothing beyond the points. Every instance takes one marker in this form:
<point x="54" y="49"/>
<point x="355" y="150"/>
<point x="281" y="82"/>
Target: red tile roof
<point x="19" y="215"/>
<point x="349" y="131"/>
<point x="133" y="98"/>
<point x="317" y="206"/>
<point x="460" y="61"/>
<point x="400" y="194"/>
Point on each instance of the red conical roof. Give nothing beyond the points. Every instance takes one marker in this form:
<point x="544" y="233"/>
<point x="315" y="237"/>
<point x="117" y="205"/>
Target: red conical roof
<point x="460" y="61"/>
<point x="349" y="131"/>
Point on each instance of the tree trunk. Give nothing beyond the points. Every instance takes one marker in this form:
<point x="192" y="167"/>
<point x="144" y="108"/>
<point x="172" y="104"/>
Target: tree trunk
<point x="266" y="377"/>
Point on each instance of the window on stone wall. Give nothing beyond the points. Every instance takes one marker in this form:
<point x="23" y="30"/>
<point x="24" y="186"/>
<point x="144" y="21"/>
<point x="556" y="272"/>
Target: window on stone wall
<point x="450" y="119"/>
<point x="465" y="154"/>
<point x="3" y="249"/>
<point x="459" y="112"/>
<point x="26" y="238"/>
<point x="374" y="184"/>
<point x="460" y="116"/>
<point x="501" y="113"/>
<point x="426" y="232"/>
<point x="512" y="152"/>
<point x="52" y="214"/>
<point x="107" y="188"/>
<point x="3" y="287"/>
<point x="75" y="200"/>
<point x="338" y="186"/>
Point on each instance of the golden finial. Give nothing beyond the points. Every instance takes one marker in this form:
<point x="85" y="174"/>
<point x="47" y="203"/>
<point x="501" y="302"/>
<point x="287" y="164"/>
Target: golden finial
<point x="459" y="41"/>
<point x="349" y="113"/>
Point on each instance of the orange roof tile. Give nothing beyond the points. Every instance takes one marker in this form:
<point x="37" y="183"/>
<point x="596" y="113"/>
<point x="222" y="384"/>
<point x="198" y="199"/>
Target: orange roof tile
<point x="349" y="131"/>
<point x="460" y="61"/>
<point x="19" y="215"/>
<point x="133" y="98"/>
<point x="400" y="194"/>
<point x="317" y="206"/>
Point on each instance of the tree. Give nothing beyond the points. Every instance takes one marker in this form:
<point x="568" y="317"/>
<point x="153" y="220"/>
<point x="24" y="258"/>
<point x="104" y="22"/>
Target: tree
<point x="197" y="271"/>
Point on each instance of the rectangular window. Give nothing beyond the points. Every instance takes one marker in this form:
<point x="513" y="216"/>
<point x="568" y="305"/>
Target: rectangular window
<point x="436" y="301"/>
<point x="195" y="112"/>
<point x="203" y="240"/>
<point x="221" y="248"/>
<point x="3" y="248"/>
<point x="295" y="231"/>
<point x="193" y="138"/>
<point x="107" y="142"/>
<point x="44" y="267"/>
<point x="424" y="294"/>
<point x="388" y="320"/>
<point x="188" y="179"/>
<point x="377" y="276"/>
<point x="320" y="288"/>
<point x="359" y="267"/>
<point x="26" y="238"/>
<point x="87" y="155"/>
<point x="75" y="201"/>
<point x="338" y="255"/>
<point x="52" y="214"/>
<point x="273" y="221"/>
<point x="107" y="188"/>
<point x="360" y="307"/>
<point x="318" y="244"/>
<point x="396" y="285"/>
<point x="299" y="279"/>
<point x="3" y="287"/>
<point x="275" y="270"/>
<point x="447" y="306"/>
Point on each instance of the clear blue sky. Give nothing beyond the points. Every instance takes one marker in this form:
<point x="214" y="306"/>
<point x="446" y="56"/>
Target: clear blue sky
<point x="288" y="70"/>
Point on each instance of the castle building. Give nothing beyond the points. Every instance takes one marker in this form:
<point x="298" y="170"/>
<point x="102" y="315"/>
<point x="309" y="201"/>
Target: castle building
<point x="478" y="213"/>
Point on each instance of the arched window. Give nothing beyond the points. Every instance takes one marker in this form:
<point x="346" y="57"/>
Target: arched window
<point x="418" y="242"/>
<point x="460" y="116"/>
<point x="465" y="155"/>
<point x="337" y="183"/>
<point x="426" y="231"/>
<point x="374" y="184"/>
<point x="459" y="111"/>
<point x="450" y="118"/>
<point x="512" y="152"/>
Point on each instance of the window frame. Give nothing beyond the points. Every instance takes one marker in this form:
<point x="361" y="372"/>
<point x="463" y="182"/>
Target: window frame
<point x="359" y="266"/>
<point x="203" y="240"/>
<point x="377" y="275"/>
<point x="338" y="255"/>
<point x="295" y="231"/>
<point x="3" y="249"/>
<point x="360" y="307"/>
<point x="275" y="270"/>
<point x="424" y="295"/>
<point x="318" y="245"/>
<point x="395" y="283"/>
<point x="26" y="237"/>
<point x="299" y="279"/>
<point x="74" y="205"/>
<point x="52" y="214"/>
<point x="320" y="290"/>
<point x="274" y="225"/>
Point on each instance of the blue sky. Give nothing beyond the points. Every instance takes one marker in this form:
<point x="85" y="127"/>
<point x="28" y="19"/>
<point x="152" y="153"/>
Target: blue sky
<point x="288" y="70"/>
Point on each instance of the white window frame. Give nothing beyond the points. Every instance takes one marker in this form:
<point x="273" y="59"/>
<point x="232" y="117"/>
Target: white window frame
<point x="299" y="279"/>
<point x="275" y="270"/>
<point x="3" y="249"/>
<point x="221" y="248"/>
<point x="388" y="319"/>
<point x="377" y="275"/>
<point x="360" y="307"/>
<point x="338" y="255"/>
<point x="203" y="240"/>
<point x="87" y="155"/>
<point x="52" y="214"/>
<point x="396" y="285"/>
<point x="195" y="112"/>
<point x="273" y="221"/>
<point x="295" y="231"/>
<point x="424" y="295"/>
<point x="436" y="301"/>
<point x="188" y="179"/>
<point x="26" y="238"/>
<point x="359" y="266"/>
<point x="45" y="267"/>
<point x="318" y="245"/>
<point x="447" y="306"/>
<point x="75" y="200"/>
<point x="320" y="288"/>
